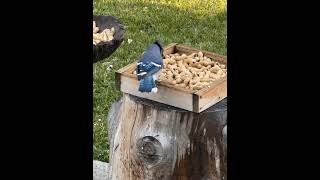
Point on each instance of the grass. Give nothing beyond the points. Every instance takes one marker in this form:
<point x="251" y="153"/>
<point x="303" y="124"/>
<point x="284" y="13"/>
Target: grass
<point x="198" y="23"/>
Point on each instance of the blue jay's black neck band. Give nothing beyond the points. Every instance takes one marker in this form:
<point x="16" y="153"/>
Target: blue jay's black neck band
<point x="160" y="46"/>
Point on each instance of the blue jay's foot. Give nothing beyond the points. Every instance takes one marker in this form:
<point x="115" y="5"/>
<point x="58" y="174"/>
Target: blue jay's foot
<point x="154" y="90"/>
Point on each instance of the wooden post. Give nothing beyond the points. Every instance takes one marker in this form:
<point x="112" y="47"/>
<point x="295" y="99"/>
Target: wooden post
<point x="149" y="140"/>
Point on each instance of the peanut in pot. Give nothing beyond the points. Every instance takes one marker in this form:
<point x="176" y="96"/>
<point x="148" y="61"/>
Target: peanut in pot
<point x="196" y="65"/>
<point x="206" y="80"/>
<point x="180" y="63"/>
<point x="179" y="58"/>
<point x="213" y="76"/>
<point x="182" y="85"/>
<point x="184" y="56"/>
<point x="169" y="78"/>
<point x="191" y="55"/>
<point x="197" y="87"/>
<point x="162" y="75"/>
<point x="208" y="63"/>
<point x="215" y="69"/>
<point x="201" y="74"/>
<point x="95" y="30"/>
<point x="183" y="77"/>
<point x="179" y="80"/>
<point x="206" y="68"/>
<point x="204" y="63"/>
<point x="206" y="83"/>
<point x="181" y="69"/>
<point x="104" y="36"/>
<point x="220" y="72"/>
<point x="195" y="80"/>
<point x="207" y="74"/>
<point x="196" y="69"/>
<point x="177" y="76"/>
<point x="168" y="73"/>
<point x="170" y="61"/>
<point x="189" y="61"/>
<point x="187" y="80"/>
<point x="173" y="67"/>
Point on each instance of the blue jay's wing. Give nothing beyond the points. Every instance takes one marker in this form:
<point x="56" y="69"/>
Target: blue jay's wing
<point x="146" y="84"/>
<point x="151" y="62"/>
<point x="144" y="70"/>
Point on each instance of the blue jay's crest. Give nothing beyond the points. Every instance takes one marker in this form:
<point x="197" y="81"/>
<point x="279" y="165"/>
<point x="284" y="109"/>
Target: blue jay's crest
<point x="150" y="63"/>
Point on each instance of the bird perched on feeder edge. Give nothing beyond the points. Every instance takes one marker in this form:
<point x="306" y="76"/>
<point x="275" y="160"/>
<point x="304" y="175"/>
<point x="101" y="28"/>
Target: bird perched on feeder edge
<point x="149" y="67"/>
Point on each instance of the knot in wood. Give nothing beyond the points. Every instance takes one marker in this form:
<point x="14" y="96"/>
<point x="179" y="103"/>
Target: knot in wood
<point x="149" y="150"/>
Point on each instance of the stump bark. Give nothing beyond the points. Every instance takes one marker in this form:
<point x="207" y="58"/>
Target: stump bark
<point x="149" y="140"/>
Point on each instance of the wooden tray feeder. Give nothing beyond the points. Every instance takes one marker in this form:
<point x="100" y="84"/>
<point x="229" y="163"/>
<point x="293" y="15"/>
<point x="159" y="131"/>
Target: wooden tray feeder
<point x="191" y="100"/>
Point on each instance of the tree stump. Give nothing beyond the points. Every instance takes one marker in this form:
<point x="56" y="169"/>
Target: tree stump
<point x="149" y="140"/>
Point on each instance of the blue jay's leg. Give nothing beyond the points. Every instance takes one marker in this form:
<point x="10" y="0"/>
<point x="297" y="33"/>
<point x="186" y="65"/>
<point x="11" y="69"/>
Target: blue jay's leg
<point x="155" y="77"/>
<point x="154" y="87"/>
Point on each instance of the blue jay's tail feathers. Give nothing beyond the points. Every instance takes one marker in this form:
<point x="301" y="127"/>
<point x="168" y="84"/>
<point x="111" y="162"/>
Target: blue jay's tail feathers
<point x="147" y="84"/>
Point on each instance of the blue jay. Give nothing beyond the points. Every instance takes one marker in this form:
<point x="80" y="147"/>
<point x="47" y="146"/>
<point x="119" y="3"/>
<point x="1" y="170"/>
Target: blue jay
<point x="149" y="66"/>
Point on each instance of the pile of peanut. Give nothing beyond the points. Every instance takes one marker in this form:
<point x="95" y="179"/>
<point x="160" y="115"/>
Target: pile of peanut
<point x="194" y="71"/>
<point x="104" y="36"/>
